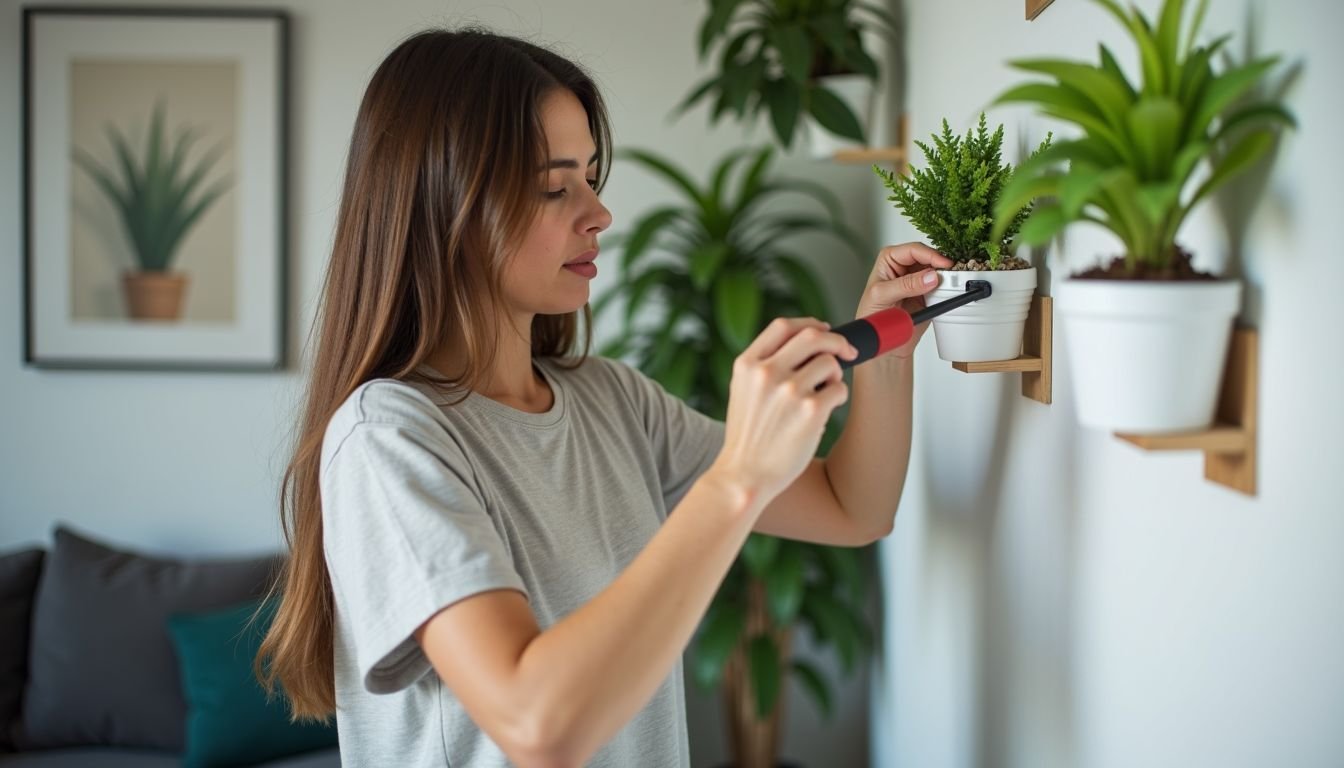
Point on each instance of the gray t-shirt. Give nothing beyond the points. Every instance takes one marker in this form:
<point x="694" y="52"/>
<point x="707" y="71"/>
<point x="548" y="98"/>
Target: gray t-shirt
<point x="425" y="503"/>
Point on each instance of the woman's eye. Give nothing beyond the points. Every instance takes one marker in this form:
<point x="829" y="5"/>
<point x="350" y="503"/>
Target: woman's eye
<point x="555" y="194"/>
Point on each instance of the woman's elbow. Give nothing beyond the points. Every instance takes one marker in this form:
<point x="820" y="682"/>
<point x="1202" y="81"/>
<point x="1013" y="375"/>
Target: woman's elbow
<point x="543" y="740"/>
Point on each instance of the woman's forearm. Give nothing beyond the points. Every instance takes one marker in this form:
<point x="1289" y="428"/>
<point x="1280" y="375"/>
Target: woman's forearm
<point x="587" y="675"/>
<point x="867" y="464"/>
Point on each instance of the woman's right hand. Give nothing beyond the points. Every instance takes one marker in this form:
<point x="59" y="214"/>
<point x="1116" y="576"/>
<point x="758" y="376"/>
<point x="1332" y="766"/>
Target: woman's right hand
<point x="784" y="387"/>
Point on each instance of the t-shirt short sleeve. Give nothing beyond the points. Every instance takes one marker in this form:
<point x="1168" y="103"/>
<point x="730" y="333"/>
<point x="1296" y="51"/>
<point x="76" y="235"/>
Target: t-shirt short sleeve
<point x="685" y="442"/>
<point x="405" y="530"/>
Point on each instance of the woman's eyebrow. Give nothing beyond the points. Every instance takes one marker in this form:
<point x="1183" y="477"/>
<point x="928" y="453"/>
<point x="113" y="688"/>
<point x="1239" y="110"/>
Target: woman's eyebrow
<point x="567" y="162"/>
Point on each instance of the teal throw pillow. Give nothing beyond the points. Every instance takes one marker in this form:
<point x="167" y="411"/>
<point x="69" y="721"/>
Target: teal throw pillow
<point x="229" y="719"/>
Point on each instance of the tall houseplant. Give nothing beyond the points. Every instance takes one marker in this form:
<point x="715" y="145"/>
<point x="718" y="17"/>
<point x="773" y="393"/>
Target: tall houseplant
<point x="795" y="59"/>
<point x="704" y="276"/>
<point x="1147" y="333"/>
<point x="159" y="197"/>
<point x="951" y="200"/>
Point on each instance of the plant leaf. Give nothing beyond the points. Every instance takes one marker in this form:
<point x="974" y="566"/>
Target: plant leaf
<point x="1043" y="224"/>
<point x="785" y="100"/>
<point x="795" y="51"/>
<point x="765" y="673"/>
<point x="832" y="113"/>
<point x="720" y="13"/>
<point x="668" y="172"/>
<point x="784" y="585"/>
<point x="759" y="552"/>
<point x="1155" y="126"/>
<point x="815" y="685"/>
<point x="705" y="263"/>
<point x="644" y="232"/>
<point x="804" y="284"/>
<point x="1245" y="152"/>
<point x="721" y="633"/>
<point x="679" y="373"/>
<point x="737" y="307"/>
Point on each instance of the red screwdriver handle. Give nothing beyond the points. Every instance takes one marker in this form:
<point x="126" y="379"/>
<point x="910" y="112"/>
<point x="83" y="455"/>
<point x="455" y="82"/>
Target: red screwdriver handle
<point x="876" y="334"/>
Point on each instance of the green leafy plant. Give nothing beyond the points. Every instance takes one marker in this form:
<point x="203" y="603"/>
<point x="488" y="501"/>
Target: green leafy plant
<point x="1133" y="168"/>
<point x="158" y="196"/>
<point x="951" y="200"/>
<point x="771" y="53"/>
<point x="704" y="276"/>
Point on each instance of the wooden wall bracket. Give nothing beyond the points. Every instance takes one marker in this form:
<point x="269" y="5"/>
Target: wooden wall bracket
<point x="897" y="155"/>
<point x="1035" y="362"/>
<point x="1229" y="446"/>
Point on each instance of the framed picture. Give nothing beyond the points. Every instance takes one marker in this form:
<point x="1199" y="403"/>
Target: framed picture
<point x="1034" y="8"/>
<point x="154" y="188"/>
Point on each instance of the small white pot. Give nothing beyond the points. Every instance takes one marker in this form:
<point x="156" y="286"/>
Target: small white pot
<point x="856" y="91"/>
<point x="989" y="329"/>
<point x="1147" y="357"/>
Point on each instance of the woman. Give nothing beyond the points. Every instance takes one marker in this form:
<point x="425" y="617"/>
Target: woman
<point x="499" y="546"/>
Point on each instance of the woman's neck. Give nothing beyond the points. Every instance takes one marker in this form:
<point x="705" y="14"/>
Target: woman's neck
<point x="511" y="379"/>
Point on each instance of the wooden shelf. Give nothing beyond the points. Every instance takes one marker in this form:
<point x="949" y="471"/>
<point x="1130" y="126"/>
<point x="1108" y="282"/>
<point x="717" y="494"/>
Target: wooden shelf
<point x="871" y="155"/>
<point x="1037" y="352"/>
<point x="1020" y="365"/>
<point x="897" y="155"/>
<point x="1229" y="446"/>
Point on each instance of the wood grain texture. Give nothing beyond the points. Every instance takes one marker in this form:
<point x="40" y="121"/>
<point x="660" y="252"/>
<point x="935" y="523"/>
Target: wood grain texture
<point x="1034" y="8"/>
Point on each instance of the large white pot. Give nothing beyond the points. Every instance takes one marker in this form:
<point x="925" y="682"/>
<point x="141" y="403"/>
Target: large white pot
<point x="1147" y="357"/>
<point x="856" y="91"/>
<point x="989" y="329"/>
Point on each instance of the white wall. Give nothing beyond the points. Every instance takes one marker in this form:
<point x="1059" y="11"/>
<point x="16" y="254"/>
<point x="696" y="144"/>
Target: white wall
<point x="190" y="463"/>
<point x="1056" y="597"/>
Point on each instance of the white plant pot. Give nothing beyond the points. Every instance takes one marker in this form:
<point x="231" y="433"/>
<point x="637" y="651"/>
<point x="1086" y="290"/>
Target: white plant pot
<point x="988" y="329"/>
<point x="856" y="91"/>
<point x="1147" y="357"/>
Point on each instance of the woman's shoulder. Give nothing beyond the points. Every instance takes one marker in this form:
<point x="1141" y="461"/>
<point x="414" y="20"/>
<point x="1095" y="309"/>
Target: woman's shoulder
<point x="387" y="402"/>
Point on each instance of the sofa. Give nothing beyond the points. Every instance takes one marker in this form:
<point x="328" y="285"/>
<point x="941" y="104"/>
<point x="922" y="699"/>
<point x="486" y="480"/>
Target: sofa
<point x="110" y="657"/>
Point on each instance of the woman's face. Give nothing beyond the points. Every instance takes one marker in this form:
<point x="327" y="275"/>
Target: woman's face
<point x="551" y="271"/>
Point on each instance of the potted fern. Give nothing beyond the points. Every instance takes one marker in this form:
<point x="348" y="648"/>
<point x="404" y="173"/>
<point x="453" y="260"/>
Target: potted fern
<point x="803" y="61"/>
<point x="705" y="276"/>
<point x="159" y="198"/>
<point x="951" y="201"/>
<point x="1147" y="332"/>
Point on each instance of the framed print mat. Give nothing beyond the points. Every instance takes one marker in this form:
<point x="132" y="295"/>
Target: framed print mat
<point x="154" y="188"/>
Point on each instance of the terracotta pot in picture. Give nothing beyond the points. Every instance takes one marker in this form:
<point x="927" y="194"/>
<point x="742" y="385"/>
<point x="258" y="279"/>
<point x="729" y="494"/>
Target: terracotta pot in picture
<point x="985" y="330"/>
<point x="154" y="295"/>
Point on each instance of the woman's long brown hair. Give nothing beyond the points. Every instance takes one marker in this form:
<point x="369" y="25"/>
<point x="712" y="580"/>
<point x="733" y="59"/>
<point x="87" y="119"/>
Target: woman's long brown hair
<point x="444" y="174"/>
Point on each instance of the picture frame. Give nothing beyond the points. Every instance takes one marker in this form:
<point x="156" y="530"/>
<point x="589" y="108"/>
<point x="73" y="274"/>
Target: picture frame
<point x="1034" y="8"/>
<point x="155" y="146"/>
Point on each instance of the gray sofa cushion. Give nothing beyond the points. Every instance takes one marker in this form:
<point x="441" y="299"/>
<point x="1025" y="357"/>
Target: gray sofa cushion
<point x="102" y="669"/>
<point x="103" y="757"/>
<point x="18" y="583"/>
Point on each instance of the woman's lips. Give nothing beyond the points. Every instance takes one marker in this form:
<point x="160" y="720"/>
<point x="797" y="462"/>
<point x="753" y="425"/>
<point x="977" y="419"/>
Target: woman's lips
<point x="584" y="265"/>
<point x="583" y="268"/>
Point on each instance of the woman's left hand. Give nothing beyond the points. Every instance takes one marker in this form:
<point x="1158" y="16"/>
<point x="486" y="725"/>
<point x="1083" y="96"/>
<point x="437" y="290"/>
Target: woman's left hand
<point x="901" y="277"/>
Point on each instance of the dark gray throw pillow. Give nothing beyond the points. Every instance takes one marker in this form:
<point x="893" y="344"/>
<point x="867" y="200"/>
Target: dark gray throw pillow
<point x="102" y="669"/>
<point x="18" y="583"/>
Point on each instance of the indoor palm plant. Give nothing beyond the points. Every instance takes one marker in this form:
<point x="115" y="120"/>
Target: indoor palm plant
<point x="1147" y="333"/>
<point x="698" y="281"/>
<point x="951" y="200"/>
<point x="159" y="197"/>
<point x="793" y="58"/>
